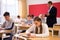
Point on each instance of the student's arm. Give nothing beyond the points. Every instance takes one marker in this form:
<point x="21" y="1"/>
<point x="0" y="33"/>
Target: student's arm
<point x="30" y="29"/>
<point x="45" y="34"/>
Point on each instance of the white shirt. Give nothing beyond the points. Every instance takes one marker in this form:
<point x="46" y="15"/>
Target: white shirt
<point x="43" y="19"/>
<point x="18" y="20"/>
<point x="45" y="32"/>
<point x="50" y="8"/>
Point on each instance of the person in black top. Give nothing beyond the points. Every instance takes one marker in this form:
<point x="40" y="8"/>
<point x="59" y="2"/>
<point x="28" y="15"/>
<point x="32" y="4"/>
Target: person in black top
<point x="51" y="15"/>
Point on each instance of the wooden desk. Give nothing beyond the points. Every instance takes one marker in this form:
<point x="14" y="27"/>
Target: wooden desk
<point x="46" y="38"/>
<point x="4" y="31"/>
<point x="23" y="27"/>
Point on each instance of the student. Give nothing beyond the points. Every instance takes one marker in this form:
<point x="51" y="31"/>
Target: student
<point x="23" y="21"/>
<point x="29" y="20"/>
<point x="42" y="18"/>
<point x="8" y="24"/>
<point x="18" y="19"/>
<point x="32" y="16"/>
<point x="38" y="29"/>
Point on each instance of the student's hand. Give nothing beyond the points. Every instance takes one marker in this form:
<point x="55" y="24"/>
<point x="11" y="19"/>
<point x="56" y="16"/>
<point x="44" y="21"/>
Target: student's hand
<point x="43" y="16"/>
<point x="28" y="34"/>
<point x="1" y="28"/>
<point x="48" y="14"/>
<point x="33" y="36"/>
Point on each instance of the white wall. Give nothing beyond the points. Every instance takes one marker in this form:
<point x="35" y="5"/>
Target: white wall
<point x="33" y="2"/>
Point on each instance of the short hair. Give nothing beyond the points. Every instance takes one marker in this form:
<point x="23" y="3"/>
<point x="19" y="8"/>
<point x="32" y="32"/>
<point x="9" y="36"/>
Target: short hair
<point x="50" y="2"/>
<point x="37" y="19"/>
<point x="32" y="16"/>
<point x="18" y="16"/>
<point x="29" y="16"/>
<point x="6" y="14"/>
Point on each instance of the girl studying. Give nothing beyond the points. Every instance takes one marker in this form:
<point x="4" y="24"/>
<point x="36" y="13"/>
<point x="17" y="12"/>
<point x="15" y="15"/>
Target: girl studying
<point x="38" y="29"/>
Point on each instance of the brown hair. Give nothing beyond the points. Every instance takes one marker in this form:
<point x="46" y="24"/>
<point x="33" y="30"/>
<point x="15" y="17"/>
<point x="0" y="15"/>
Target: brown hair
<point x="38" y="19"/>
<point x="50" y="2"/>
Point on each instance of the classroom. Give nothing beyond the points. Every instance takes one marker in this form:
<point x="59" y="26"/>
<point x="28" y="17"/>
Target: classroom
<point x="29" y="19"/>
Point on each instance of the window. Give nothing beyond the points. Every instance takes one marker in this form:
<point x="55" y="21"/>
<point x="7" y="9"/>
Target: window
<point x="9" y="6"/>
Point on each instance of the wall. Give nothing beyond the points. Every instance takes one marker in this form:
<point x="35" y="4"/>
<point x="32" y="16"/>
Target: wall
<point x="40" y="2"/>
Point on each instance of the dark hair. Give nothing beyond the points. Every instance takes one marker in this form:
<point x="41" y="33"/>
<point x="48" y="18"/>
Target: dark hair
<point x="6" y="14"/>
<point x="32" y="16"/>
<point x="50" y="2"/>
<point x="29" y="16"/>
<point x="18" y="16"/>
<point x="37" y="19"/>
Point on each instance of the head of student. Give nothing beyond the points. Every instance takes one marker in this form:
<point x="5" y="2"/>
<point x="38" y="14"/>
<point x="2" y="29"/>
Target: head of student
<point x="49" y="3"/>
<point x="32" y="16"/>
<point x="7" y="16"/>
<point x="18" y="16"/>
<point x="37" y="22"/>
<point x="29" y="17"/>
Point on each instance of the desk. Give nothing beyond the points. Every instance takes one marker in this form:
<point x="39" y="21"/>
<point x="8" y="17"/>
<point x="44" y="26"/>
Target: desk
<point x="20" y="27"/>
<point x="23" y="27"/>
<point x="4" y="31"/>
<point x="46" y="38"/>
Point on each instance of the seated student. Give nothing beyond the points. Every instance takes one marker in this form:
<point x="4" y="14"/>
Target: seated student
<point x="39" y="29"/>
<point x="32" y="17"/>
<point x="22" y="21"/>
<point x="42" y="18"/>
<point x="29" y="20"/>
<point x="18" y="19"/>
<point x="8" y="24"/>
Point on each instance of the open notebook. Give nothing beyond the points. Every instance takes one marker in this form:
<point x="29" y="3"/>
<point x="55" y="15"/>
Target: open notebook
<point x="21" y="36"/>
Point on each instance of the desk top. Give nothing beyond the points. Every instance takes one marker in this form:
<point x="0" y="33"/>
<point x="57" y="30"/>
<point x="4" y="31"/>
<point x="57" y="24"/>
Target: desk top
<point x="5" y="31"/>
<point x="40" y="38"/>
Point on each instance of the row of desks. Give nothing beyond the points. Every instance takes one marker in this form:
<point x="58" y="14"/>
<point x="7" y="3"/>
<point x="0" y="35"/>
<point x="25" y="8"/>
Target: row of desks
<point x="4" y="31"/>
<point x="36" y="38"/>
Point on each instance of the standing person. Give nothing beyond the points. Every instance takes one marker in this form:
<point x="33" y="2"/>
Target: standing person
<point x="8" y="24"/>
<point x="38" y="29"/>
<point x="51" y="16"/>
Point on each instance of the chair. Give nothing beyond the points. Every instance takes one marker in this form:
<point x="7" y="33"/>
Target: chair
<point x="55" y="28"/>
<point x="5" y="36"/>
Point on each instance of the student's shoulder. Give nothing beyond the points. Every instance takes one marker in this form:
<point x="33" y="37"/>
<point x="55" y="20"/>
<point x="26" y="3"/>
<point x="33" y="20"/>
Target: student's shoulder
<point x="44" y="24"/>
<point x="33" y="25"/>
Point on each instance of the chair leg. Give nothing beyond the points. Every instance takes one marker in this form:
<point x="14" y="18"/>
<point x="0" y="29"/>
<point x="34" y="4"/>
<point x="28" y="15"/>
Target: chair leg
<point x="52" y="33"/>
<point x="59" y="33"/>
<point x="2" y="38"/>
<point x="13" y="38"/>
